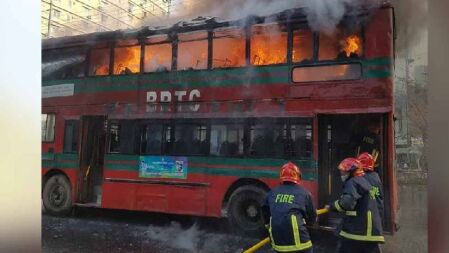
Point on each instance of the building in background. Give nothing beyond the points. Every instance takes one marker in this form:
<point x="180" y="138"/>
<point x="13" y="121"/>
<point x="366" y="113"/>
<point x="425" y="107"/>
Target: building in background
<point x="73" y="17"/>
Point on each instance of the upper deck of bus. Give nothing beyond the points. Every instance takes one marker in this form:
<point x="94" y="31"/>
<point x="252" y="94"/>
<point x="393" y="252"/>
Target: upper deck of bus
<point x="313" y="75"/>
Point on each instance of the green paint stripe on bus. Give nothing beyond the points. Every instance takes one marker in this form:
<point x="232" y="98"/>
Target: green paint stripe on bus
<point x="67" y="157"/>
<point x="122" y="166"/>
<point x="60" y="165"/>
<point x="117" y="157"/>
<point x="310" y="163"/>
<point x="377" y="74"/>
<point x="246" y="173"/>
<point x="377" y="61"/>
<point x="207" y="75"/>
<point x="90" y="88"/>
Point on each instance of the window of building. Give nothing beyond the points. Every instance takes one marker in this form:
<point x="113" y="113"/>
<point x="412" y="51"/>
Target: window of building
<point x="190" y="139"/>
<point x="122" y="137"/>
<point x="151" y="139"/>
<point x="267" y="139"/>
<point x="327" y="73"/>
<point x="56" y="13"/>
<point x="340" y="45"/>
<point x="226" y="139"/>
<point x="48" y="127"/>
<point x="127" y="57"/>
<point x="71" y="136"/>
<point x="63" y="63"/>
<point x="268" y="44"/>
<point x="300" y="142"/>
<point x="158" y="54"/>
<point x="229" y="47"/>
<point x="192" y="50"/>
<point x="99" y="61"/>
<point x="302" y="45"/>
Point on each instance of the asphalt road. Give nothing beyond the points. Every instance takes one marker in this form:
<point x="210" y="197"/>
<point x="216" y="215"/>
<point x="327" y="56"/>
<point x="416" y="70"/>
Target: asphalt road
<point x="95" y="230"/>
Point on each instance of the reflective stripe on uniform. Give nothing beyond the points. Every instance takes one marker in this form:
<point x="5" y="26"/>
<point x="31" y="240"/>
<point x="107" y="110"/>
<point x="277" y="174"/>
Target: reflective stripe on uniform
<point x="298" y="245"/>
<point x="337" y="206"/>
<point x="369" y="230"/>
<point x="351" y="213"/>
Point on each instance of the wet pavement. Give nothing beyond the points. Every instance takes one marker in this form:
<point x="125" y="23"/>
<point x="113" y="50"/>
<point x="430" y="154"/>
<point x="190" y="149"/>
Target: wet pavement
<point x="96" y="230"/>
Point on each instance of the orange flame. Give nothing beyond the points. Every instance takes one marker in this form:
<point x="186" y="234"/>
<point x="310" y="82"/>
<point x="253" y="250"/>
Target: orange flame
<point x="352" y="45"/>
<point x="268" y="45"/>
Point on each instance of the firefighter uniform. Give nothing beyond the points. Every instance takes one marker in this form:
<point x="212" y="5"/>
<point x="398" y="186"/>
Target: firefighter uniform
<point x="373" y="178"/>
<point x="361" y="228"/>
<point x="288" y="208"/>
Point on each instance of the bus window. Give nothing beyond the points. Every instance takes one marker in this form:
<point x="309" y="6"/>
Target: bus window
<point x="302" y="45"/>
<point x="99" y="62"/>
<point x="300" y="143"/>
<point x="267" y="139"/>
<point x="63" y="63"/>
<point x="122" y="137"/>
<point x="158" y="54"/>
<point x="151" y="139"/>
<point x="192" y="50"/>
<point x="71" y="136"/>
<point x="342" y="44"/>
<point x="127" y="57"/>
<point x="226" y="140"/>
<point x="327" y="73"/>
<point x="190" y="139"/>
<point x="228" y="48"/>
<point x="268" y="44"/>
<point x="48" y="127"/>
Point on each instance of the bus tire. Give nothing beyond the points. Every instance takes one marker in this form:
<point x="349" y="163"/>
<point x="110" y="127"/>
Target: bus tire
<point x="57" y="195"/>
<point x="245" y="210"/>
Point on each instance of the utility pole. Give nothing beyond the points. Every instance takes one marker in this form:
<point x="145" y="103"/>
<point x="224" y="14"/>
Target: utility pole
<point x="49" y="18"/>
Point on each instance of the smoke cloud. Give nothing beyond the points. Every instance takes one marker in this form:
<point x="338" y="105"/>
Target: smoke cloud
<point x="323" y="15"/>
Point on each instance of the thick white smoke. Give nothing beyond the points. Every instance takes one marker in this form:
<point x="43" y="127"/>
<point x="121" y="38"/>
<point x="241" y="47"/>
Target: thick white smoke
<point x="323" y="15"/>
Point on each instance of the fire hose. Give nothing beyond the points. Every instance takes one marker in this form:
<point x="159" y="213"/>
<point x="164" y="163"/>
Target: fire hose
<point x="267" y="240"/>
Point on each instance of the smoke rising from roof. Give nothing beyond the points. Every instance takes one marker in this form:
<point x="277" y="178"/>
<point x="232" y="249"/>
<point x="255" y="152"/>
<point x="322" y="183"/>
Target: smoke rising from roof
<point x="323" y="15"/>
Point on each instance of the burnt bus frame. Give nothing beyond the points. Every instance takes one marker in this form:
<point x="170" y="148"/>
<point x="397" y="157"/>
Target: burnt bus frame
<point x="291" y="19"/>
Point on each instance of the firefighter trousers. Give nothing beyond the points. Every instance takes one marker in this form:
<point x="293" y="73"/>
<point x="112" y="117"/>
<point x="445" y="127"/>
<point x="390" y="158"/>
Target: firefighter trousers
<point x="353" y="246"/>
<point x="309" y="250"/>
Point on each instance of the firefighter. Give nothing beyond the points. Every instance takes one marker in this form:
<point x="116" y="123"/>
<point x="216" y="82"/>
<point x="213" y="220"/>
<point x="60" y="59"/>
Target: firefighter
<point x="361" y="228"/>
<point x="367" y="162"/>
<point x="369" y="139"/>
<point x="287" y="210"/>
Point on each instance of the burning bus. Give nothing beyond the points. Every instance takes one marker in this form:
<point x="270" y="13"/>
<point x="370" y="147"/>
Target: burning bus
<point x="197" y="118"/>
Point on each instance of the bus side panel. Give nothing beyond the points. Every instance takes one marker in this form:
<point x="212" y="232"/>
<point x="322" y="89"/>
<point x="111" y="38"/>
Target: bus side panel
<point x="379" y="35"/>
<point x="125" y="190"/>
<point x="394" y="200"/>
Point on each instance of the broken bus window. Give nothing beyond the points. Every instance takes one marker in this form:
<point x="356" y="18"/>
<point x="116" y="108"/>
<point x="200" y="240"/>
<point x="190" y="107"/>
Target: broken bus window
<point x="268" y="44"/>
<point x="99" y="61"/>
<point x="228" y="48"/>
<point x="158" y="54"/>
<point x="127" y="57"/>
<point x="192" y="50"/>
<point x="302" y="45"/>
<point x="342" y="44"/>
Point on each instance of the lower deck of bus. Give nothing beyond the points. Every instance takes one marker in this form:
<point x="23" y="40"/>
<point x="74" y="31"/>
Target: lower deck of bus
<point x="325" y="139"/>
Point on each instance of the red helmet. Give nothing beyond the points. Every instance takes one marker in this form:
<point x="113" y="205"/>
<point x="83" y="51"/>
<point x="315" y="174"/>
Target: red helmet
<point x="291" y="173"/>
<point x="367" y="161"/>
<point x="352" y="166"/>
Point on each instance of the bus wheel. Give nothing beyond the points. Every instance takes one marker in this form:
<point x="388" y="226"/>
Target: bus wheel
<point x="245" y="210"/>
<point x="57" y="195"/>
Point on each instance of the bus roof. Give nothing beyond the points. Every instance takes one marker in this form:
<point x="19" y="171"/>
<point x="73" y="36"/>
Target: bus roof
<point x="297" y="15"/>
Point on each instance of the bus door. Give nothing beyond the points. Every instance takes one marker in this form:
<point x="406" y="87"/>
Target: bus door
<point x="92" y="159"/>
<point x="341" y="136"/>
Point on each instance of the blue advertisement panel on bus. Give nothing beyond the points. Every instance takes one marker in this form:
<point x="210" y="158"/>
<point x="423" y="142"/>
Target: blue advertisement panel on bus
<point x="163" y="167"/>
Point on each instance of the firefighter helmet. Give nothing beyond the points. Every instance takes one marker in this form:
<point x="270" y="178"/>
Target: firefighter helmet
<point x="352" y="166"/>
<point x="367" y="161"/>
<point x="290" y="173"/>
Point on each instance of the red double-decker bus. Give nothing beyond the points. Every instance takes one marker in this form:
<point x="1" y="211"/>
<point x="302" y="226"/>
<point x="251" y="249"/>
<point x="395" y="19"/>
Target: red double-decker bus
<point x="198" y="118"/>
